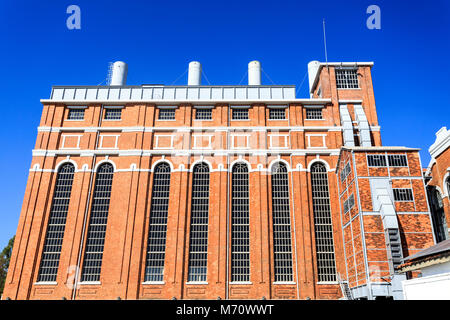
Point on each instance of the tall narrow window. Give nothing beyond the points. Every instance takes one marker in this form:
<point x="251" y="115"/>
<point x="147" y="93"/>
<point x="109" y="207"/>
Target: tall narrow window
<point x="198" y="243"/>
<point x="95" y="240"/>
<point x="56" y="224"/>
<point x="326" y="265"/>
<point x="282" y="246"/>
<point x="156" y="248"/>
<point x="240" y="224"/>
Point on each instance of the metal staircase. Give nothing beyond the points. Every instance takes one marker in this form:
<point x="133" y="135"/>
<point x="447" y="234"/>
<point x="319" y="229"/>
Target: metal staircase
<point x="346" y="292"/>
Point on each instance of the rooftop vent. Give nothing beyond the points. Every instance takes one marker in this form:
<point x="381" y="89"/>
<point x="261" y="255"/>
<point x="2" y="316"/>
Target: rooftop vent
<point x="254" y="73"/>
<point x="119" y="74"/>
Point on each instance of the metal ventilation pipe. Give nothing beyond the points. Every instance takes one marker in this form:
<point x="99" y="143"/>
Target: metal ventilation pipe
<point x="195" y="73"/>
<point x="313" y="68"/>
<point x="254" y="73"/>
<point x="119" y="74"/>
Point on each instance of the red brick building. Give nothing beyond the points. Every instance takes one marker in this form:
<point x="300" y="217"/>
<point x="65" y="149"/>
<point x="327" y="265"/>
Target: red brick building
<point x="201" y="192"/>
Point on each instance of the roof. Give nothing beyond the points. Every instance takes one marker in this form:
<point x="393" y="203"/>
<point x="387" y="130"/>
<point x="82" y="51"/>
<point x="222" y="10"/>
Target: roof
<point x="176" y="94"/>
<point x="435" y="254"/>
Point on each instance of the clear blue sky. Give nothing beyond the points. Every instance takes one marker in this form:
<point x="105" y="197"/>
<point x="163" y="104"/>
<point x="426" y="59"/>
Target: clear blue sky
<point x="159" y="38"/>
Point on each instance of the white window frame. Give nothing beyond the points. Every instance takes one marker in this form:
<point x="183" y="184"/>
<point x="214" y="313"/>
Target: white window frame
<point x="112" y="107"/>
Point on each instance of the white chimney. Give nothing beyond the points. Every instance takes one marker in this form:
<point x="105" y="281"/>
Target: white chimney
<point x="313" y="68"/>
<point x="254" y="73"/>
<point x="195" y="73"/>
<point x="119" y="74"/>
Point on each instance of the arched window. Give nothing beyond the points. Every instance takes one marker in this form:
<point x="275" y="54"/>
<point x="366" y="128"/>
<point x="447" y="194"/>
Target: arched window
<point x="156" y="248"/>
<point x="240" y="224"/>
<point x="56" y="224"/>
<point x="447" y="185"/>
<point x="282" y="246"/>
<point x="326" y="265"/>
<point x="95" y="240"/>
<point x="198" y="240"/>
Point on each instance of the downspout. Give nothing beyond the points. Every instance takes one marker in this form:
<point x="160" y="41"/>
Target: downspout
<point x="86" y="211"/>
<point x="228" y="211"/>
<point x="295" y="231"/>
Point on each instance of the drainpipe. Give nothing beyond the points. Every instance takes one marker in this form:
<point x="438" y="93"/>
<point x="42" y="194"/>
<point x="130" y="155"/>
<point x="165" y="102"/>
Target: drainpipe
<point x="295" y="231"/>
<point x="228" y="211"/>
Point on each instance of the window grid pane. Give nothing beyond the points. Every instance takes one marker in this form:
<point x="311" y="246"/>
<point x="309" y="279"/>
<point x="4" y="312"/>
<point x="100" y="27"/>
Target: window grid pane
<point x="113" y="114"/>
<point x="203" y="114"/>
<point x="401" y="194"/>
<point x="281" y="224"/>
<point x="239" y="114"/>
<point x="376" y="160"/>
<point x="76" y="114"/>
<point x="347" y="78"/>
<point x="166" y="114"/>
<point x="277" y="114"/>
<point x="240" y="224"/>
<point x="56" y="224"/>
<point x="326" y="265"/>
<point x="314" y="114"/>
<point x="156" y="249"/>
<point x="397" y="160"/>
<point x="95" y="241"/>
<point x="198" y="243"/>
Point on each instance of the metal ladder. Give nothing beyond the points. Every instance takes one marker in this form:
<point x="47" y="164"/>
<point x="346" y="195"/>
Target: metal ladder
<point x="345" y="288"/>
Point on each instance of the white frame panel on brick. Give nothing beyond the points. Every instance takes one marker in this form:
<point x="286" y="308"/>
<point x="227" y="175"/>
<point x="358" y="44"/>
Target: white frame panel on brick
<point x="64" y="136"/>
<point x="100" y="144"/>
<point x="286" y="137"/>
<point x="323" y="135"/>
<point x="247" y="135"/>
<point x="171" y="136"/>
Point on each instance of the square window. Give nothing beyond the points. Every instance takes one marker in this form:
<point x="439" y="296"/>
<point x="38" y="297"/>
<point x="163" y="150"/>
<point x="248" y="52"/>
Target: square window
<point x="314" y="114"/>
<point x="166" y="114"/>
<point x="397" y="160"/>
<point x="76" y="114"/>
<point x="239" y="114"/>
<point x="203" y="114"/>
<point x="277" y="114"/>
<point x="113" y="114"/>
<point x="347" y="78"/>
<point x="376" y="160"/>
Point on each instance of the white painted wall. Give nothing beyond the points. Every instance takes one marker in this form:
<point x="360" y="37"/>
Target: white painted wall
<point x="431" y="287"/>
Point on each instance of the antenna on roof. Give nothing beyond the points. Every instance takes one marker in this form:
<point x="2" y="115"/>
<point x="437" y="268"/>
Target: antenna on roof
<point x="325" y="42"/>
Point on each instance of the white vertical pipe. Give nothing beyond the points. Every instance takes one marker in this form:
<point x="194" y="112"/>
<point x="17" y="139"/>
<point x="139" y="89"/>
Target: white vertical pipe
<point x="119" y="74"/>
<point x="195" y="73"/>
<point x="254" y="73"/>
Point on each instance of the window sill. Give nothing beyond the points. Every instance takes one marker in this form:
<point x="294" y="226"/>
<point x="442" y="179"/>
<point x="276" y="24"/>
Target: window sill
<point x="240" y="282"/>
<point x="89" y="283"/>
<point x="197" y="282"/>
<point x="153" y="282"/>
<point x="327" y="282"/>
<point x="46" y="283"/>
<point x="284" y="282"/>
